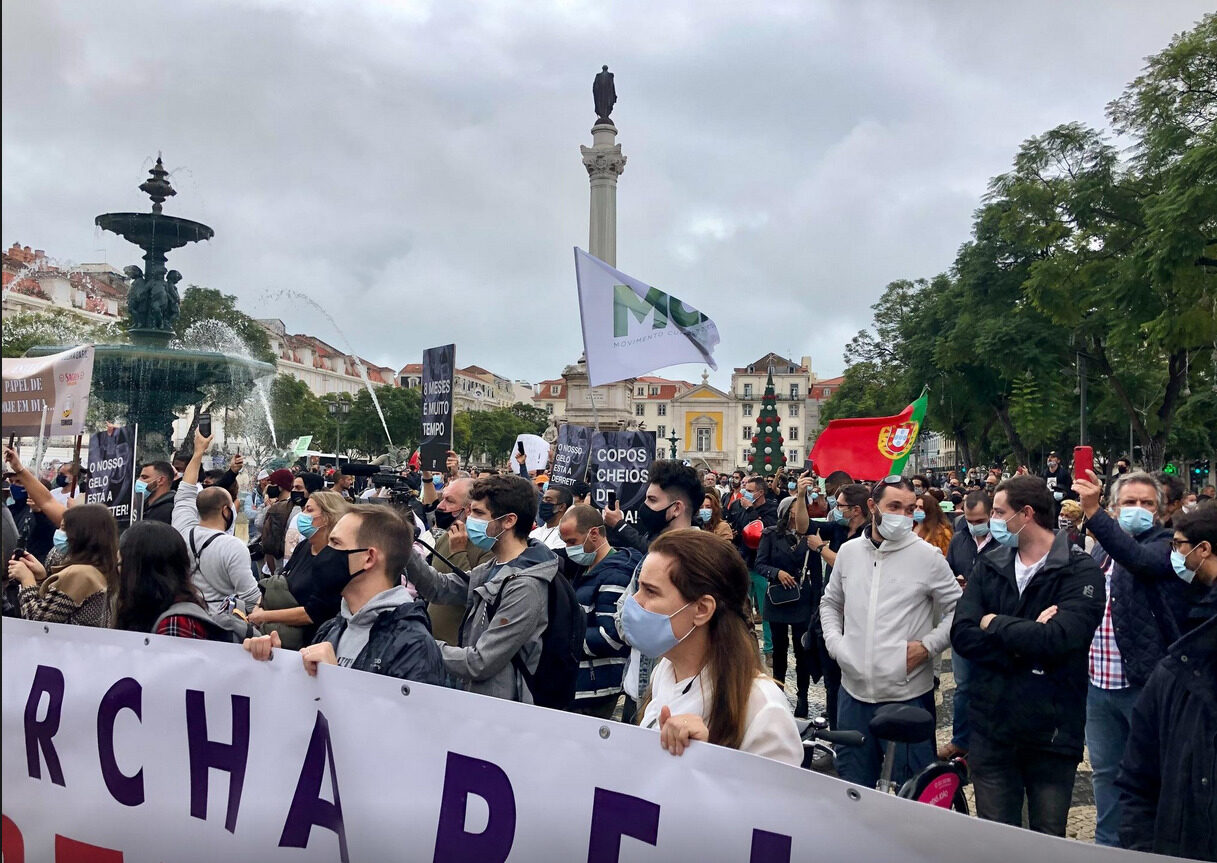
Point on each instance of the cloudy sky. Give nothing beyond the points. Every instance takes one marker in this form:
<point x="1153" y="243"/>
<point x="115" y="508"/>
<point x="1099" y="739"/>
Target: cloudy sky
<point x="414" y="167"/>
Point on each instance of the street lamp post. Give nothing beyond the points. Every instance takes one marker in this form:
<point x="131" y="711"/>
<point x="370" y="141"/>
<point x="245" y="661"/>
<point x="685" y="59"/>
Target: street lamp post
<point x="338" y="410"/>
<point x="672" y="439"/>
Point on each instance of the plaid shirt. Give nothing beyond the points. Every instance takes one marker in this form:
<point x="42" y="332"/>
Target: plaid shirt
<point x="181" y="626"/>
<point x="1106" y="666"/>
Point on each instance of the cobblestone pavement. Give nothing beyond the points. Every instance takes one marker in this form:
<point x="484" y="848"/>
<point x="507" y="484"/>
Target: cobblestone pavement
<point x="1082" y="812"/>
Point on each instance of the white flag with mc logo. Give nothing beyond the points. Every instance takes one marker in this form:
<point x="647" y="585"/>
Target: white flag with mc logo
<point x="630" y="328"/>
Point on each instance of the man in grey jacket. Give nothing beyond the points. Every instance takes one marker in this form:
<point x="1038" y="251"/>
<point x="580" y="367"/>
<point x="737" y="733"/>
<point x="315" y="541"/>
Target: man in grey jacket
<point x="219" y="561"/>
<point x="506" y="598"/>
<point x="878" y="614"/>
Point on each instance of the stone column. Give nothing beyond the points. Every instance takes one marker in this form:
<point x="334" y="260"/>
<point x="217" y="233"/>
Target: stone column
<point x="604" y="164"/>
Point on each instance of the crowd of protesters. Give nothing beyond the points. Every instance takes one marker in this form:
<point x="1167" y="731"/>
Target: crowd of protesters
<point x="1077" y="613"/>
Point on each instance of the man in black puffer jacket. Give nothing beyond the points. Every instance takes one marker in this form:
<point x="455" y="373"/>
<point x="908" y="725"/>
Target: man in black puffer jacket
<point x="1146" y="607"/>
<point x="1025" y="621"/>
<point x="380" y="628"/>
<point x="1168" y="779"/>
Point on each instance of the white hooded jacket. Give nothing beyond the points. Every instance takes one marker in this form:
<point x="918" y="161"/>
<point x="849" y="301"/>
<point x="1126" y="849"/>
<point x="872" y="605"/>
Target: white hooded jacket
<point x="878" y="600"/>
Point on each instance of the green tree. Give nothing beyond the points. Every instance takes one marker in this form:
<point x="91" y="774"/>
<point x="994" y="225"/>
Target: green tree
<point x="24" y="330"/>
<point x="363" y="428"/>
<point x="296" y="411"/>
<point x="210" y="320"/>
<point x="767" y="456"/>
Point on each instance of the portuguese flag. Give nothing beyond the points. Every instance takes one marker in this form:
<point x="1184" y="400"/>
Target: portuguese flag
<point x="869" y="448"/>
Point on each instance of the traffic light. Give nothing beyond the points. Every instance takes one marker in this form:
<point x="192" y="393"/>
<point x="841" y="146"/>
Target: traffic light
<point x="1199" y="469"/>
<point x="1170" y="468"/>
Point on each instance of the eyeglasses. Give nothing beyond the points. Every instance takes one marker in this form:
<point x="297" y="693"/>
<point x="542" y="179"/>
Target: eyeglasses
<point x="1175" y="543"/>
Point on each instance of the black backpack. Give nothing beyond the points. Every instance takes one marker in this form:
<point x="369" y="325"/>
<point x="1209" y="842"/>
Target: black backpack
<point x="553" y="683"/>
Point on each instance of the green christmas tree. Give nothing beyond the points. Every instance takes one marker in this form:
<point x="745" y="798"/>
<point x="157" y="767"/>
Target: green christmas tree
<point x="767" y="456"/>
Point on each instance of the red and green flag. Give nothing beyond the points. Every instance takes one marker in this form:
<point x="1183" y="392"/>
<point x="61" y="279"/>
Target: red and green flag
<point x="869" y="448"/>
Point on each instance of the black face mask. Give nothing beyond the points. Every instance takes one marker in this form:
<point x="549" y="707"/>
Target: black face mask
<point x="272" y="491"/>
<point x="61" y="481"/>
<point x="299" y="498"/>
<point x="229" y="518"/>
<point x="444" y="520"/>
<point x="333" y="570"/>
<point x="653" y="521"/>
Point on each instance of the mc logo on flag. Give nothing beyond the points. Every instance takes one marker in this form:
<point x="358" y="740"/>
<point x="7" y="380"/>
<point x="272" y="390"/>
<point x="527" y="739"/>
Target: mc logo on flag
<point x="627" y="302"/>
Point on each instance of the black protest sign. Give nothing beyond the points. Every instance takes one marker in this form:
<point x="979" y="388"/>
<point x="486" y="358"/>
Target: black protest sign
<point x="439" y="364"/>
<point x="573" y="452"/>
<point x="112" y="471"/>
<point x="622" y="464"/>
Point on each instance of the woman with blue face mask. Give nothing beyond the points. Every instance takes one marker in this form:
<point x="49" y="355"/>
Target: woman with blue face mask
<point x="78" y="592"/>
<point x="309" y="590"/>
<point x="710" y="517"/>
<point x="691" y="613"/>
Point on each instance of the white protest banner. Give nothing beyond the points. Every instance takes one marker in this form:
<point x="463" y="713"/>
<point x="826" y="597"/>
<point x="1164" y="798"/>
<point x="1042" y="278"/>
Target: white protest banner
<point x="631" y="328"/>
<point x="60" y="381"/>
<point x="536" y="451"/>
<point x="126" y="748"/>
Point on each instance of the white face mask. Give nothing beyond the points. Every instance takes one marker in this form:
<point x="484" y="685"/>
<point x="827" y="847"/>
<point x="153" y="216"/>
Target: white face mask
<point x="894" y="525"/>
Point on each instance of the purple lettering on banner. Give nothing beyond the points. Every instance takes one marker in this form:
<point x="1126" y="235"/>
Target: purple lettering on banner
<point x="308" y="807"/>
<point x="206" y="755"/>
<point x="769" y="847"/>
<point x="39" y="734"/>
<point x="464" y="776"/>
<point x="615" y="815"/>
<point x="126" y="694"/>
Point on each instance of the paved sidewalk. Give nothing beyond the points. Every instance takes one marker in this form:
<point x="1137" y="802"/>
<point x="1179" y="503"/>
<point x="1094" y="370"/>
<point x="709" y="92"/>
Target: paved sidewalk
<point x="1081" y="814"/>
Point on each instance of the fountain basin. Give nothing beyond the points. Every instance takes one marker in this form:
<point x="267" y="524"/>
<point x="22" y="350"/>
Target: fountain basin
<point x="153" y="383"/>
<point x="154" y="229"/>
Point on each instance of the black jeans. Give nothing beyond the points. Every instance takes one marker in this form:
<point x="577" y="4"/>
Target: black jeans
<point x="1004" y="774"/>
<point x="783" y="634"/>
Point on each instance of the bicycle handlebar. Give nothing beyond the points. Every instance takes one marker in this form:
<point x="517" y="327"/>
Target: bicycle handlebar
<point x="847" y="738"/>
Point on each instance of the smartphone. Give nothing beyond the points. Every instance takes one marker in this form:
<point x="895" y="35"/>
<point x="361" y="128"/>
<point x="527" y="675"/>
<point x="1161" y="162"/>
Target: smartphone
<point x="1083" y="460"/>
<point x="520" y="447"/>
<point x="205" y="424"/>
<point x="612" y="499"/>
<point x="18" y="554"/>
<point x="809" y="467"/>
<point x="12" y="441"/>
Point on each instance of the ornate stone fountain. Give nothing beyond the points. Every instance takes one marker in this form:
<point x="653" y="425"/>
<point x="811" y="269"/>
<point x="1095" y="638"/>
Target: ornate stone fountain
<point x="151" y="381"/>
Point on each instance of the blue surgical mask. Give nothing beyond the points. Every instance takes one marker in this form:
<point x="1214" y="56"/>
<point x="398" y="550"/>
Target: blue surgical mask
<point x="981" y="529"/>
<point x="476" y="528"/>
<point x="997" y="526"/>
<point x="919" y="515"/>
<point x="1179" y="562"/>
<point x="894" y="525"/>
<point x="579" y="555"/>
<point x="141" y="487"/>
<point x="650" y="632"/>
<point x="791" y="486"/>
<point x="839" y="516"/>
<point x="748" y="496"/>
<point x="304" y="524"/>
<point x="60" y="541"/>
<point x="705" y="514"/>
<point x="1135" y="520"/>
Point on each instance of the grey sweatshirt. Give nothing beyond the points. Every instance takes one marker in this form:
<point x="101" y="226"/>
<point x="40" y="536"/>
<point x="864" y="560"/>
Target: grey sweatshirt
<point x="359" y="625"/>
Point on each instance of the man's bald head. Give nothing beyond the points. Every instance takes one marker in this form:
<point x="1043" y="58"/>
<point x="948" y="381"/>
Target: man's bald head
<point x="455" y="496"/>
<point x="212" y="501"/>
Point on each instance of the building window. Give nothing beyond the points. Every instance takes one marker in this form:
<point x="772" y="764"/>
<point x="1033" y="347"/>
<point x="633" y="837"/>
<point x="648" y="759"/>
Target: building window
<point x="747" y="391"/>
<point x="703" y="440"/>
<point x="661" y="431"/>
<point x="747" y="410"/>
<point x="747" y="432"/>
<point x="794" y="410"/>
<point x="654" y="391"/>
<point x="794" y="433"/>
<point x="554" y="389"/>
<point x="549" y="408"/>
<point x="640" y="410"/>
<point x="794" y="391"/>
<point x="663" y="410"/>
<point x="792" y="455"/>
<point x="642" y="391"/>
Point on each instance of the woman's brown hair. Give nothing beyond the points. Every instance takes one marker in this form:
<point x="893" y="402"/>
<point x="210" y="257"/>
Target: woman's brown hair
<point x="93" y="540"/>
<point x="708" y="565"/>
